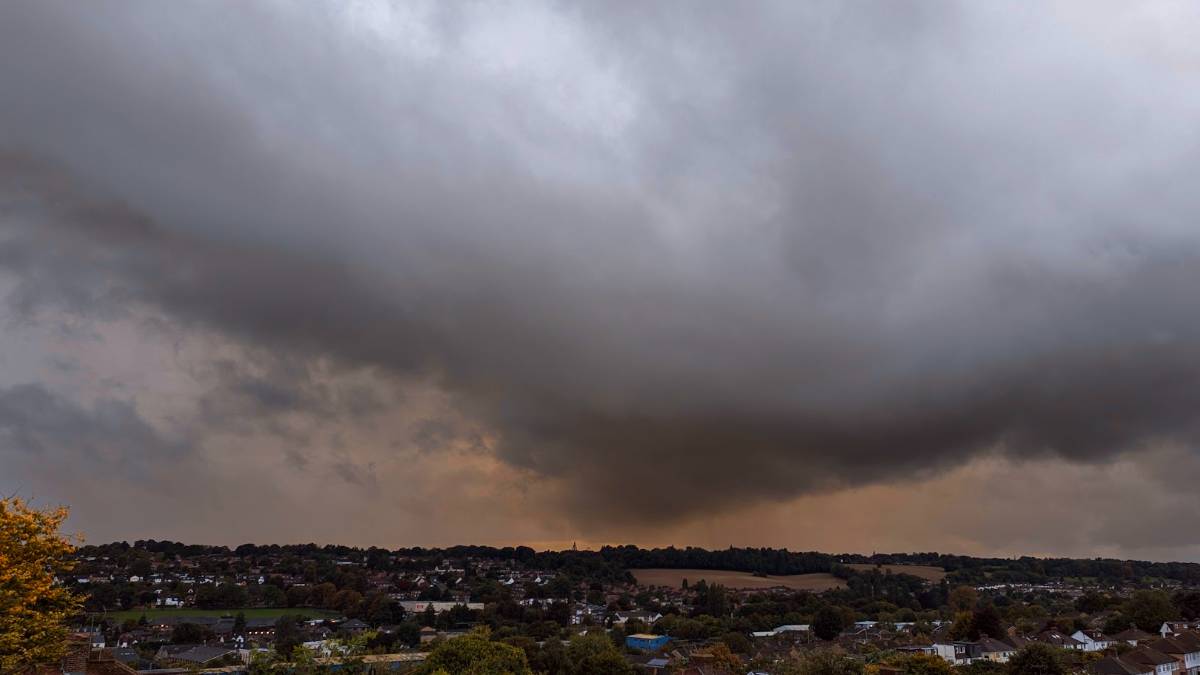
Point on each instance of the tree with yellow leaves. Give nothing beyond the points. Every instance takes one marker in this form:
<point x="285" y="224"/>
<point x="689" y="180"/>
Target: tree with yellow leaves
<point x="34" y="606"/>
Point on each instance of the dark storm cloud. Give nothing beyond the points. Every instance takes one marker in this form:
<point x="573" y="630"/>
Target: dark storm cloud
<point x="680" y="261"/>
<point x="108" y="434"/>
<point x="262" y="386"/>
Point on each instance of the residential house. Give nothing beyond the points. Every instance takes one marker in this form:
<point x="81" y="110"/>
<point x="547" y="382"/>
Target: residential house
<point x="791" y="628"/>
<point x="127" y="655"/>
<point x="189" y="656"/>
<point x="930" y="650"/>
<point x="991" y="649"/>
<point x="1191" y="642"/>
<point x="966" y="653"/>
<point x="1184" y="648"/>
<point x="583" y="613"/>
<point x="1093" y="640"/>
<point x="943" y="649"/>
<point x="418" y="606"/>
<point x="1017" y="640"/>
<point x="94" y="637"/>
<point x="1057" y="638"/>
<point x="645" y="616"/>
<point x="1113" y="665"/>
<point x="1133" y="636"/>
<point x="1162" y="664"/>
<point x="1170" y="628"/>
<point x="260" y="629"/>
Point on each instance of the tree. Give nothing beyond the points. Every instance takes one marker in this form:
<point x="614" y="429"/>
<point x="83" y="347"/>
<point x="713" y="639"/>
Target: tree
<point x="1117" y="623"/>
<point x="981" y="667"/>
<point x="239" y="624"/>
<point x="34" y="608"/>
<point x="920" y="664"/>
<point x="1092" y="602"/>
<point x="408" y="633"/>
<point x="961" y="628"/>
<point x="987" y="621"/>
<point x="288" y="635"/>
<point x="827" y="663"/>
<point x="1149" y="609"/>
<point x="827" y="624"/>
<point x="978" y="623"/>
<point x="190" y="633"/>
<point x="724" y="659"/>
<point x="1188" y="604"/>
<point x="737" y="642"/>
<point x="551" y="659"/>
<point x="300" y="661"/>
<point x="595" y="654"/>
<point x="963" y="599"/>
<point x="1036" y="659"/>
<point x="475" y="654"/>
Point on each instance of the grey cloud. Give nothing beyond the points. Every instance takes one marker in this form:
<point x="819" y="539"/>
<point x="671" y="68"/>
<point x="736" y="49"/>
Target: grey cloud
<point x="681" y="261"/>
<point x="108" y="434"/>
<point x="261" y="386"/>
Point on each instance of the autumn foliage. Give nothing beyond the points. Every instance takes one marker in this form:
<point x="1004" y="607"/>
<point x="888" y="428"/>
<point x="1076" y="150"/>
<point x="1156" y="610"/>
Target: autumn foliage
<point x="34" y="607"/>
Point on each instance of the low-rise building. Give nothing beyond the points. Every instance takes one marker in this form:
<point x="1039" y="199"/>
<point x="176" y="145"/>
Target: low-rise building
<point x="646" y="641"/>
<point x="1162" y="664"/>
<point x="1093" y="640"/>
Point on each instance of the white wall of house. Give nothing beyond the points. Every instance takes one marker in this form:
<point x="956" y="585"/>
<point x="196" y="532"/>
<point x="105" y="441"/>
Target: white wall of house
<point x="946" y="652"/>
<point x="1088" y="644"/>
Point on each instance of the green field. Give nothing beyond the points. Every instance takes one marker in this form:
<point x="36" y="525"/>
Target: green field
<point x="250" y="612"/>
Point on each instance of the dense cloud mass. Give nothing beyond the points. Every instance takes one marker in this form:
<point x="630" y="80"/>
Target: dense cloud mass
<point x="643" y="265"/>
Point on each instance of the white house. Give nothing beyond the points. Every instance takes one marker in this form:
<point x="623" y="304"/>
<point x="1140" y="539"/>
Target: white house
<point x="1170" y="628"/>
<point x="1152" y="658"/>
<point x="1183" y="647"/>
<point x="946" y="651"/>
<point x="1093" y="640"/>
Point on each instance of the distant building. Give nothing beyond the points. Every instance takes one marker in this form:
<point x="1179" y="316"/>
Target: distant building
<point x="418" y="606"/>
<point x="992" y="649"/>
<point x="1093" y="640"/>
<point x="646" y="641"/>
<point x="1116" y="666"/>
<point x="1152" y="658"/>
<point x="1133" y="636"/>
<point x="1056" y="638"/>
<point x="1170" y="628"/>
<point x="645" y="616"/>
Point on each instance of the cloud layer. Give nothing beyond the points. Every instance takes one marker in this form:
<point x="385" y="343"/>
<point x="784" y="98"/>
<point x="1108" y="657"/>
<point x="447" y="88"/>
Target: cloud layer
<point x="653" y="265"/>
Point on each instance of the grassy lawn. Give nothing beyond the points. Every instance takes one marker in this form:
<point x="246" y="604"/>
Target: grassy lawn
<point x="250" y="612"/>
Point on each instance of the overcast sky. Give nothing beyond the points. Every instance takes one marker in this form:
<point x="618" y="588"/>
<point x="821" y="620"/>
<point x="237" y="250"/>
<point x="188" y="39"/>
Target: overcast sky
<point x="824" y="275"/>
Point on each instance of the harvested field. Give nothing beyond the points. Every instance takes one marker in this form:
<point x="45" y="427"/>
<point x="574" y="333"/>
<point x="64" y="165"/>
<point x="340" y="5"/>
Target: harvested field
<point x="926" y="572"/>
<point x="816" y="582"/>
